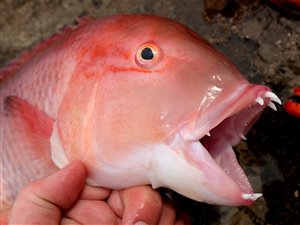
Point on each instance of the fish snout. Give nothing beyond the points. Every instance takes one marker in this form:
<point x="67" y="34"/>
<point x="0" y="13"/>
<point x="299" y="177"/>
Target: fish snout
<point x="200" y="163"/>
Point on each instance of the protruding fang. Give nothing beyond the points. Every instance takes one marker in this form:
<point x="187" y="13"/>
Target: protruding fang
<point x="273" y="97"/>
<point x="243" y="137"/>
<point x="272" y="106"/>
<point x="260" y="101"/>
<point x="208" y="134"/>
<point x="252" y="196"/>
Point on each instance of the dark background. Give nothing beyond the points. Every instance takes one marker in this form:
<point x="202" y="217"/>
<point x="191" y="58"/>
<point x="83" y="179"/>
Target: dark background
<point x="261" y="39"/>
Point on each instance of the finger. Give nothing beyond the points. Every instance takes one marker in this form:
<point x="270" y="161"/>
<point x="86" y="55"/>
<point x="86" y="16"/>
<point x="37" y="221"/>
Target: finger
<point x="94" y="193"/>
<point x="115" y="202"/>
<point x="182" y="221"/>
<point x="183" y="218"/>
<point x="40" y="201"/>
<point x="92" y="212"/>
<point x="141" y="204"/>
<point x="69" y="221"/>
<point x="168" y="215"/>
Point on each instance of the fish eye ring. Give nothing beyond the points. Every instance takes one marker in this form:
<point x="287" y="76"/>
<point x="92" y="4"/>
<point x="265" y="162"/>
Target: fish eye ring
<point x="148" y="55"/>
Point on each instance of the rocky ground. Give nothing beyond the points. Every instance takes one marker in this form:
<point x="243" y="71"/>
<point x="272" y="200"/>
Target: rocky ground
<point x="264" y="43"/>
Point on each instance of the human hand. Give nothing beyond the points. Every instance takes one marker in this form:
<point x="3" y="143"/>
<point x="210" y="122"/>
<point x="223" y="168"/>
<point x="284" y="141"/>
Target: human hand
<point x="63" y="198"/>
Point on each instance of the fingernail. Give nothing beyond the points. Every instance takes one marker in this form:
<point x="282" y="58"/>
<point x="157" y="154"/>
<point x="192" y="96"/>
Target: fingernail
<point x="140" y="223"/>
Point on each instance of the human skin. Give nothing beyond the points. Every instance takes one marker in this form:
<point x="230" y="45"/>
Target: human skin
<point x="63" y="198"/>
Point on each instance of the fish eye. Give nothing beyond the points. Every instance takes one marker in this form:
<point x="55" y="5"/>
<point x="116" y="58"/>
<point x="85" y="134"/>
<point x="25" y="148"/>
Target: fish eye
<point x="148" y="55"/>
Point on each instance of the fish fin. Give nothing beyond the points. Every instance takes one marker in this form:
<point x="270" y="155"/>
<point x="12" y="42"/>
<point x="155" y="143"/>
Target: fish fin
<point x="82" y="20"/>
<point x="14" y="65"/>
<point x="31" y="118"/>
<point x="25" y="150"/>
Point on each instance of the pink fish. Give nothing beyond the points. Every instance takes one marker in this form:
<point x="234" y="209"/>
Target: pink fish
<point x="130" y="96"/>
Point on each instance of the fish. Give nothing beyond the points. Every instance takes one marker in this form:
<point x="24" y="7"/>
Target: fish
<point x="138" y="99"/>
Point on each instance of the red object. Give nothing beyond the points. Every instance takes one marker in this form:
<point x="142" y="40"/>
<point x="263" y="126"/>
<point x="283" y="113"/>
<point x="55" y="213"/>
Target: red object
<point x="288" y="7"/>
<point x="285" y="2"/>
<point x="292" y="105"/>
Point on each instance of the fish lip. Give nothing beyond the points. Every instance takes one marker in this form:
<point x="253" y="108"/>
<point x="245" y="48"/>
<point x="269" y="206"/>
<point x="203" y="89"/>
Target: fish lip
<point x="240" y="112"/>
<point x="244" y="97"/>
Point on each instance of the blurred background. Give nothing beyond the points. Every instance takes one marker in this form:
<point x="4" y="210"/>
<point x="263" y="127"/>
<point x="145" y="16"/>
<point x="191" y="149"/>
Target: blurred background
<point x="262" y="38"/>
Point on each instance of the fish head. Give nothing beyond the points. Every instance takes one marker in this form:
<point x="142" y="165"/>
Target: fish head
<point x="163" y="108"/>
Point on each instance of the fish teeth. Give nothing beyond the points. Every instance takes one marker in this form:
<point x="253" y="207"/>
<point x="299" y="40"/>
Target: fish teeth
<point x="208" y="134"/>
<point x="273" y="97"/>
<point x="272" y="106"/>
<point x="243" y="137"/>
<point x="252" y="196"/>
<point x="260" y="101"/>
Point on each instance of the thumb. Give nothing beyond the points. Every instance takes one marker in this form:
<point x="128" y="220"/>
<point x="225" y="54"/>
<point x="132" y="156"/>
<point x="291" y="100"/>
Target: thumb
<point x="41" y="201"/>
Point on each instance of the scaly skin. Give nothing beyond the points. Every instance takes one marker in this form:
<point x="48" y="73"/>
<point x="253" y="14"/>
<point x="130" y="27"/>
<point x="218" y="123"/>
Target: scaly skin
<point x="91" y="94"/>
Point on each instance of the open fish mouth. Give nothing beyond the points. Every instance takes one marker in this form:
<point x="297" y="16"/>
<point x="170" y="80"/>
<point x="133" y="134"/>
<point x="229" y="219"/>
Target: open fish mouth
<point x="219" y="140"/>
<point x="217" y="177"/>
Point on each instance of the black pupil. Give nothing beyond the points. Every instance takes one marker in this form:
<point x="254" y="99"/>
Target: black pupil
<point x="147" y="54"/>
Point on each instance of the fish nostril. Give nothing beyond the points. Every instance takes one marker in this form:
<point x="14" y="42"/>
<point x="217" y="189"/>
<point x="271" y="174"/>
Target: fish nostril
<point x="183" y="55"/>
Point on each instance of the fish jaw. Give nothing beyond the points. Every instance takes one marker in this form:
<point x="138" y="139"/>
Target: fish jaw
<point x="207" y="170"/>
<point x="198" y="183"/>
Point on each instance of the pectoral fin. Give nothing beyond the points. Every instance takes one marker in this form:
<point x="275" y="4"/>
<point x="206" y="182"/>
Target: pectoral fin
<point x="28" y="118"/>
<point x="26" y="148"/>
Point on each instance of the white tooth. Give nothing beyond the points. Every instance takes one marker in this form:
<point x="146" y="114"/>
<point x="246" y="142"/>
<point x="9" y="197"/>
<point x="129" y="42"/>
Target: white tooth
<point x="273" y="97"/>
<point x="252" y="196"/>
<point x="169" y="195"/>
<point x="208" y="134"/>
<point x="259" y="100"/>
<point x="272" y="106"/>
<point x="243" y="137"/>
